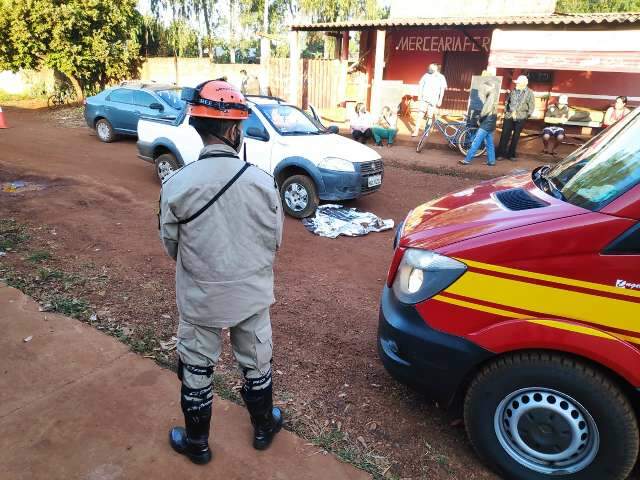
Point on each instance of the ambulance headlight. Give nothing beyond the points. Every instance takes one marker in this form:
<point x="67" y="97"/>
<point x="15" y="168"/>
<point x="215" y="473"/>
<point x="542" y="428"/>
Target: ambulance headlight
<point x="423" y="274"/>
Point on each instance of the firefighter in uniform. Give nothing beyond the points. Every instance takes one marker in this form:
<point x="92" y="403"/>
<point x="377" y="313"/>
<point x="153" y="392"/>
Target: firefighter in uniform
<point x="221" y="221"/>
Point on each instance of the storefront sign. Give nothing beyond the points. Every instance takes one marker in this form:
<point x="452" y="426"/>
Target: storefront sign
<point x="408" y="52"/>
<point x="569" y="60"/>
<point x="456" y="42"/>
<point x="604" y="51"/>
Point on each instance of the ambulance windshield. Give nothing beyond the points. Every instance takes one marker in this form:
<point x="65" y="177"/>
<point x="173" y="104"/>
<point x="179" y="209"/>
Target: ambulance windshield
<point x="602" y="169"/>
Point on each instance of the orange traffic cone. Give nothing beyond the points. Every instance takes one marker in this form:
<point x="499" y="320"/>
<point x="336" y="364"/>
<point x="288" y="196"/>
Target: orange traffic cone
<point x="2" y="122"/>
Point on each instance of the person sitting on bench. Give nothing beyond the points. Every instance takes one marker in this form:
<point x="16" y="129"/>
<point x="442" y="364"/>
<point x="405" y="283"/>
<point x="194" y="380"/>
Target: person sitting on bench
<point x="361" y="124"/>
<point x="554" y="134"/>
<point x="617" y="112"/>
<point x="385" y="127"/>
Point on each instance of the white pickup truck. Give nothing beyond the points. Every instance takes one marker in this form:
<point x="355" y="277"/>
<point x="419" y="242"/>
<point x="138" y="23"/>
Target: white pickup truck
<point x="309" y="162"/>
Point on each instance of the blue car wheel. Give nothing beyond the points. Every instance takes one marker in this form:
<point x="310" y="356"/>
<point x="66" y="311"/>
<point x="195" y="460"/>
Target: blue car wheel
<point x="104" y="130"/>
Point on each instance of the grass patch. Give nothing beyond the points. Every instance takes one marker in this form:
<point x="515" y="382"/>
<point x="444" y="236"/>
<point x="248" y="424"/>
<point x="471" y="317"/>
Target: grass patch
<point x="223" y="387"/>
<point x="12" y="234"/>
<point x="146" y="341"/>
<point x="13" y="97"/>
<point x="72" y="307"/>
<point x="331" y="438"/>
<point x="16" y="281"/>
<point x="71" y="281"/>
<point x="39" y="256"/>
<point x="46" y="274"/>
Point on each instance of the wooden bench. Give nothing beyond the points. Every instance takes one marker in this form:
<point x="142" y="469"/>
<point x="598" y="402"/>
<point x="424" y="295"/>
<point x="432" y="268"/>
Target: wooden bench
<point x="576" y="139"/>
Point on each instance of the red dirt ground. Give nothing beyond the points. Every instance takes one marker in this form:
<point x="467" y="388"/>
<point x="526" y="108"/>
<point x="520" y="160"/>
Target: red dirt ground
<point x="98" y="210"/>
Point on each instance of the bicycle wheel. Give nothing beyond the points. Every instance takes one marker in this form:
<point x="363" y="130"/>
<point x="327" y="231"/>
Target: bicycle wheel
<point x="423" y="138"/>
<point x="466" y="139"/>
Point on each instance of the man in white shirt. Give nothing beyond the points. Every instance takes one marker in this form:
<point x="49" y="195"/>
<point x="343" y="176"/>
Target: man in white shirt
<point x="431" y="92"/>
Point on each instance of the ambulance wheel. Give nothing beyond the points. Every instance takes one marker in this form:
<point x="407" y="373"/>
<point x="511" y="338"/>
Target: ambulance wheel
<point x="534" y="416"/>
<point x="299" y="196"/>
<point x="104" y="130"/>
<point x="166" y="164"/>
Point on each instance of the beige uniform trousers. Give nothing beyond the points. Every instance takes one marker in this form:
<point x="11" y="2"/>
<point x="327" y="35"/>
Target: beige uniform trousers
<point x="250" y="339"/>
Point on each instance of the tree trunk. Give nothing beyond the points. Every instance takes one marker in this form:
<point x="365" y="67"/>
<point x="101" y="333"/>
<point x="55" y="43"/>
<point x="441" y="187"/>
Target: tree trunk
<point x="232" y="49"/>
<point x="207" y="24"/>
<point x="77" y="87"/>
<point x="71" y="80"/>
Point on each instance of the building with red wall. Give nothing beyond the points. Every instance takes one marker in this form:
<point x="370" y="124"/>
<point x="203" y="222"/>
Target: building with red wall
<point x="590" y="57"/>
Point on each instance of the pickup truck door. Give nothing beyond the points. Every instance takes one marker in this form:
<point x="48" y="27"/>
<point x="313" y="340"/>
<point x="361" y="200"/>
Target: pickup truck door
<point x="119" y="107"/>
<point x="257" y="143"/>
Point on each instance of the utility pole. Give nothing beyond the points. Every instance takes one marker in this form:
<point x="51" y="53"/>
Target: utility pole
<point x="265" y="49"/>
<point x="232" y="37"/>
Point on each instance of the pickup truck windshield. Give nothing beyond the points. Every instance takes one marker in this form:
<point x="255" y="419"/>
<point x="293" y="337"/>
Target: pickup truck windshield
<point x="602" y="169"/>
<point x="288" y="120"/>
<point x="172" y="97"/>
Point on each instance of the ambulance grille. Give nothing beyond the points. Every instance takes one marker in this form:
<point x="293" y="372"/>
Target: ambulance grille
<point x="519" y="199"/>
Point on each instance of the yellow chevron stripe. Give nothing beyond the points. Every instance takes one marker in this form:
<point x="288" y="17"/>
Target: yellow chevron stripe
<point x="548" y="323"/>
<point x="549" y="301"/>
<point x="572" y="327"/>
<point x="626" y="338"/>
<point x="551" y="278"/>
<point x="475" y="306"/>
<point x="586" y="330"/>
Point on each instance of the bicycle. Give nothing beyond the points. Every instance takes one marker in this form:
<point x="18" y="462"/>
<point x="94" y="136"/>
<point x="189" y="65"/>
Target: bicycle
<point x="459" y="134"/>
<point x="61" y="95"/>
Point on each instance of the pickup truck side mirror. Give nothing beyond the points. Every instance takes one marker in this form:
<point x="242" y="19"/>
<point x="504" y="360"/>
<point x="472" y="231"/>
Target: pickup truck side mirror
<point x="333" y="129"/>
<point x="257" y="133"/>
<point x="156" y="106"/>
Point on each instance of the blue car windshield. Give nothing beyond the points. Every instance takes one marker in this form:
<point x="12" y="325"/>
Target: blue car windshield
<point x="172" y="97"/>
<point x="602" y="169"/>
<point x="289" y="120"/>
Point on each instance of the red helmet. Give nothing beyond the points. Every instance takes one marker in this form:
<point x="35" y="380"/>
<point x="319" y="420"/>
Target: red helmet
<point x="216" y="99"/>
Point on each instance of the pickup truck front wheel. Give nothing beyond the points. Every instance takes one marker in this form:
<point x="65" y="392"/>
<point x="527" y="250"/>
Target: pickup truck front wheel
<point x="166" y="164"/>
<point x="299" y="196"/>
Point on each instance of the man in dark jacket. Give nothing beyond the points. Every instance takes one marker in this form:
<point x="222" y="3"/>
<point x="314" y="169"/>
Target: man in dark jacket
<point x="519" y="106"/>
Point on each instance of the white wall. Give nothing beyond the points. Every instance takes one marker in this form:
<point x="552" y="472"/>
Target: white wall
<point x="470" y="8"/>
<point x="24" y="81"/>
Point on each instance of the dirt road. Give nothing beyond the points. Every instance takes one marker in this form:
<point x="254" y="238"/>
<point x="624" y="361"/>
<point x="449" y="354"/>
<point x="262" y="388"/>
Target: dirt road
<point x="97" y="213"/>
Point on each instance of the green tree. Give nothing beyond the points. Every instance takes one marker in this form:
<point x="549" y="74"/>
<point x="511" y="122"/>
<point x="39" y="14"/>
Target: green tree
<point x="336" y="10"/>
<point x="192" y="11"/>
<point x="597" y="6"/>
<point x="90" y="42"/>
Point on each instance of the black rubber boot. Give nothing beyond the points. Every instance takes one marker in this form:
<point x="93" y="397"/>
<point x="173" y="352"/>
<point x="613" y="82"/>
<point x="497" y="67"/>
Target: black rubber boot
<point x="196" y="449"/>
<point x="265" y="418"/>
<point x="193" y="440"/>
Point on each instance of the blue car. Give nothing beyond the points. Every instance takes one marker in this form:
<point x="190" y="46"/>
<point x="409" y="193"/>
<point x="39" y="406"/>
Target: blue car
<point x="116" y="111"/>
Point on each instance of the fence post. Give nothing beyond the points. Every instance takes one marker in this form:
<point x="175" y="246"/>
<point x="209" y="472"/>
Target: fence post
<point x="294" y="62"/>
<point x="378" y="72"/>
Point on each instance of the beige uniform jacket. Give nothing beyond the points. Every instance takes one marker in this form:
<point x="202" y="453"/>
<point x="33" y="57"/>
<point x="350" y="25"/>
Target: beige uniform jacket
<point x="224" y="258"/>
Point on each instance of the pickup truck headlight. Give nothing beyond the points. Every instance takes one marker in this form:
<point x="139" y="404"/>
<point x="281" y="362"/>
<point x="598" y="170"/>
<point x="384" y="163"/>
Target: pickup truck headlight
<point x="423" y="274"/>
<point x="336" y="163"/>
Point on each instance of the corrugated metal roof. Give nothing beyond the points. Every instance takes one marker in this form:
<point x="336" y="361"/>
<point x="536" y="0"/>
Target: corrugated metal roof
<point x="555" y="19"/>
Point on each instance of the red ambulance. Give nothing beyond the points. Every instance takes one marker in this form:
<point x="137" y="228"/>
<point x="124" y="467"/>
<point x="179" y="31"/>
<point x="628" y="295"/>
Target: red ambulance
<point x="518" y="300"/>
